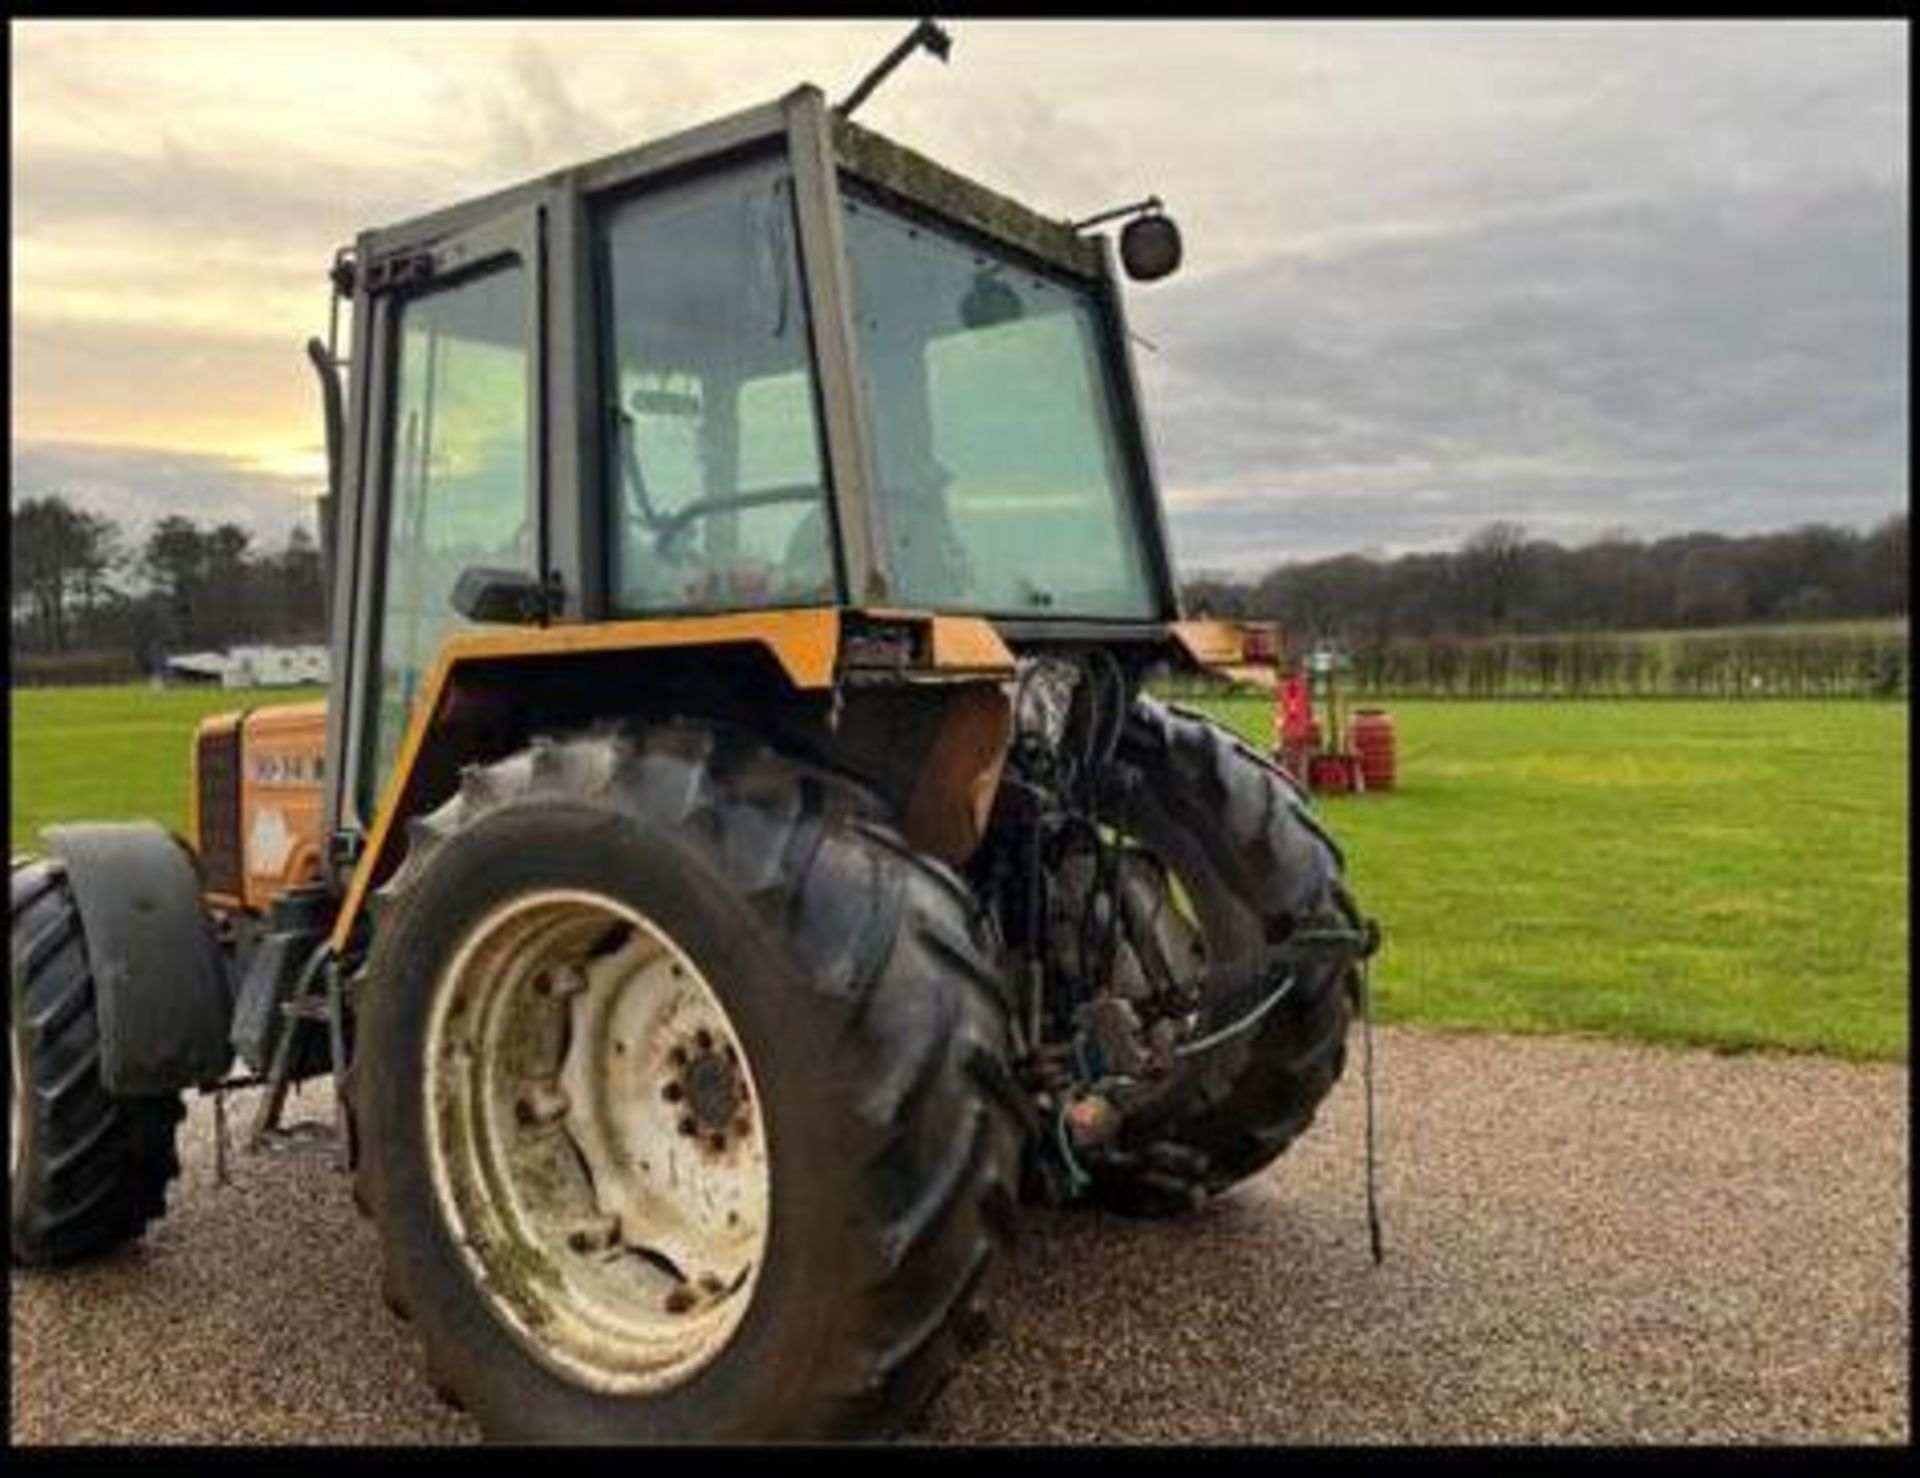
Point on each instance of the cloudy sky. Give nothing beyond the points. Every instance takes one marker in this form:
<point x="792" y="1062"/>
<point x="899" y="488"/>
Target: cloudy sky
<point x="1588" y="277"/>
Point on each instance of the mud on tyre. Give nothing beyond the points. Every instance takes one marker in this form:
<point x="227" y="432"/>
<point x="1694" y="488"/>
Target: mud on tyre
<point x="852" y="1013"/>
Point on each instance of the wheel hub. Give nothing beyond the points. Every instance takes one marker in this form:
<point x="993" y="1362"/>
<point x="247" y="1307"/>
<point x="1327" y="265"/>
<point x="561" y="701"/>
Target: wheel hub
<point x="596" y="1140"/>
<point x="709" y="1085"/>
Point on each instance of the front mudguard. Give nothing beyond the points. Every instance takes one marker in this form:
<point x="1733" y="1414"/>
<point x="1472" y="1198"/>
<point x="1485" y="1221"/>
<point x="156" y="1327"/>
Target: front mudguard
<point x="163" y="995"/>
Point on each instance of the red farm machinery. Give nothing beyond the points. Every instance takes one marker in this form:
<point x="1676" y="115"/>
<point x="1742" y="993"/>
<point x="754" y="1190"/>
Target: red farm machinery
<point x="1317" y="740"/>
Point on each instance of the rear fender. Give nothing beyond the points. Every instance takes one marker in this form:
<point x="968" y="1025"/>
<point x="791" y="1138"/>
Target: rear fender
<point x="489" y="692"/>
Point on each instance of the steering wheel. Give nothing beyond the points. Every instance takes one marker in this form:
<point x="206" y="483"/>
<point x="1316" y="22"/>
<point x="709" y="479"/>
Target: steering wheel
<point x="669" y="528"/>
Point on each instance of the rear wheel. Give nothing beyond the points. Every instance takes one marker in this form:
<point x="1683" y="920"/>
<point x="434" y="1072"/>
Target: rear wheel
<point x="682" y="1098"/>
<point x="86" y="1171"/>
<point x="1252" y="869"/>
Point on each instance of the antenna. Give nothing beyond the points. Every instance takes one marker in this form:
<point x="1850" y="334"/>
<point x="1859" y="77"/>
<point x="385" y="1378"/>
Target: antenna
<point x="928" y="34"/>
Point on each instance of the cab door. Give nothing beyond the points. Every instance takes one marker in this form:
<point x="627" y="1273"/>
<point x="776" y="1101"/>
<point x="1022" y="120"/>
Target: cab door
<point x="450" y="472"/>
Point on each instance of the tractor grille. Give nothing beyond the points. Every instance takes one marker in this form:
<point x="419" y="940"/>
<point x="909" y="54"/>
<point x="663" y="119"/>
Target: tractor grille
<point x="217" y="775"/>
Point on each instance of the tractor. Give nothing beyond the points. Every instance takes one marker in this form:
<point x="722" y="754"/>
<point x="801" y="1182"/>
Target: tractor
<point x="738" y="863"/>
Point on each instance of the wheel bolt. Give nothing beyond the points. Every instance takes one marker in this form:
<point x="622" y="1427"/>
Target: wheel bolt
<point x="688" y="1128"/>
<point x="716" y="1142"/>
<point x="703" y="1039"/>
<point x="541" y="1105"/>
<point x="594" y="1236"/>
<point x="673" y="1093"/>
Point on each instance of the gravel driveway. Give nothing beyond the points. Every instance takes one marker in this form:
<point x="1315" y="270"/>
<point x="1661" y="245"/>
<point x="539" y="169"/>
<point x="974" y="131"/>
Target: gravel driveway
<point x="1585" y="1242"/>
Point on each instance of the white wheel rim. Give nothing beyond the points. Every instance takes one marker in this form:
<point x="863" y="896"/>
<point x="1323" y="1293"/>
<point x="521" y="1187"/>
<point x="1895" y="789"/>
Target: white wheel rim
<point x="595" y="1140"/>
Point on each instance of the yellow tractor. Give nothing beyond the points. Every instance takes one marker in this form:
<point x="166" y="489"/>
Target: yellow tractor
<point x="738" y="862"/>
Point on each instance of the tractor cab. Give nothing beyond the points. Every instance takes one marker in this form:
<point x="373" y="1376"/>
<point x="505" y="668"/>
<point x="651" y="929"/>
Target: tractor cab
<point x="774" y="364"/>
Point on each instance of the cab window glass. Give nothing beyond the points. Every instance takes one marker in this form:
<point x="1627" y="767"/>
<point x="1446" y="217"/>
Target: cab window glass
<point x="457" y="484"/>
<point x="715" y="470"/>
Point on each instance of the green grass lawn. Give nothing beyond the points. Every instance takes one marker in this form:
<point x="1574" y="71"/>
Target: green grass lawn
<point x="110" y="754"/>
<point x="1734" y="874"/>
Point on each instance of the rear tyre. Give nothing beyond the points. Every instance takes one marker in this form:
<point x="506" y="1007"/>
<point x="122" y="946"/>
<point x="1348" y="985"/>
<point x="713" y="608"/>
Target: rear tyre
<point x="1255" y="868"/>
<point x="602" y="940"/>
<point x="88" y="1171"/>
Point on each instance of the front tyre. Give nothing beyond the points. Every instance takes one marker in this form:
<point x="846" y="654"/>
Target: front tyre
<point x="86" y="1171"/>
<point x="682" y="1098"/>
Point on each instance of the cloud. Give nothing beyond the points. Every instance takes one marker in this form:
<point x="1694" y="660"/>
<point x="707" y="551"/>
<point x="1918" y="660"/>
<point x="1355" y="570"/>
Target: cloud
<point x="136" y="486"/>
<point x="132" y="384"/>
<point x="1578" y="274"/>
<point x="1737" y="361"/>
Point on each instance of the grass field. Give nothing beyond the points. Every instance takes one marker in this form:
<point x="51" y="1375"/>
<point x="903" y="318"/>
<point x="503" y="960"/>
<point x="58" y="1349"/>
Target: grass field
<point x="109" y="754"/>
<point x="1690" y="871"/>
<point x="1702" y="872"/>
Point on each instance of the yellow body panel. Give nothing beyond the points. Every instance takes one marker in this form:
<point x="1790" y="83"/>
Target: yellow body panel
<point x="968" y="643"/>
<point x="805" y="644"/>
<point x="957" y="643"/>
<point x="283" y="754"/>
<point x="1240" y="651"/>
<point x="282" y="798"/>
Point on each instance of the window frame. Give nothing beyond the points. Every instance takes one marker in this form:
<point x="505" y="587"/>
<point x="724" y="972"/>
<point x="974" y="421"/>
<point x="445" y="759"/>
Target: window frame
<point x="507" y="242"/>
<point x="1140" y="513"/>
<point x="773" y="162"/>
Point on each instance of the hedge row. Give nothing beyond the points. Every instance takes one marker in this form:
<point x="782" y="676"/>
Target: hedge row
<point x="1788" y="662"/>
<point x="1760" y="662"/>
<point x="86" y="669"/>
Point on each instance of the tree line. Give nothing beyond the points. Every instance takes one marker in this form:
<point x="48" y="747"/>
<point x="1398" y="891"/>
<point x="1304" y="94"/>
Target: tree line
<point x="1503" y="582"/>
<point x="1826" y="660"/>
<point x="90" y="604"/>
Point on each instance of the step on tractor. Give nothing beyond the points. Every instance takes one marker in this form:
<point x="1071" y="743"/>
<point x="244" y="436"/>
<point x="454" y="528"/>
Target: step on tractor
<point x="738" y="862"/>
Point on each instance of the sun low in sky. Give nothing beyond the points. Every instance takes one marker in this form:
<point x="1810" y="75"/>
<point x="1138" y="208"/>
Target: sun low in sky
<point x="1642" y="276"/>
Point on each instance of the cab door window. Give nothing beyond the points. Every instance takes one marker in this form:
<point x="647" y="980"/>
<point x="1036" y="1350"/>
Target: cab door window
<point x="458" y="484"/>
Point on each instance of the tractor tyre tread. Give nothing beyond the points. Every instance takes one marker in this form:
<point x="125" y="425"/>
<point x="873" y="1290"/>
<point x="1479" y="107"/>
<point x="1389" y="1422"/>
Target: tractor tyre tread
<point x="94" y="1168"/>
<point x="894" y="970"/>
<point x="1242" y="1106"/>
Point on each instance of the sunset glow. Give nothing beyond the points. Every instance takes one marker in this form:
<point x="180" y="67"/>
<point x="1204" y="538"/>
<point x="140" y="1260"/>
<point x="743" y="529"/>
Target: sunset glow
<point x="1403" y="313"/>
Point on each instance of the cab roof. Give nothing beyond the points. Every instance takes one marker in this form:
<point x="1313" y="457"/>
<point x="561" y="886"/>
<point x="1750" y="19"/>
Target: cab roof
<point x="872" y="158"/>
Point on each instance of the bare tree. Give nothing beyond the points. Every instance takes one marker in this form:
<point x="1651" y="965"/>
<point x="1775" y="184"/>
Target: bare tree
<point x="1492" y="570"/>
<point x="59" y="555"/>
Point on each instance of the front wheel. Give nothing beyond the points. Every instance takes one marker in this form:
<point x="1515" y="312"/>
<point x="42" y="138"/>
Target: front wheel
<point x="86" y="1171"/>
<point x="682" y="1098"/>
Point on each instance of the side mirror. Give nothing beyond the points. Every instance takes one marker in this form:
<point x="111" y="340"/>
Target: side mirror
<point x="1150" y="247"/>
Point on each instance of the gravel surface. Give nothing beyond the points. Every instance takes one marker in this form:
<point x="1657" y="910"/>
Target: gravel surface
<point x="1586" y="1242"/>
